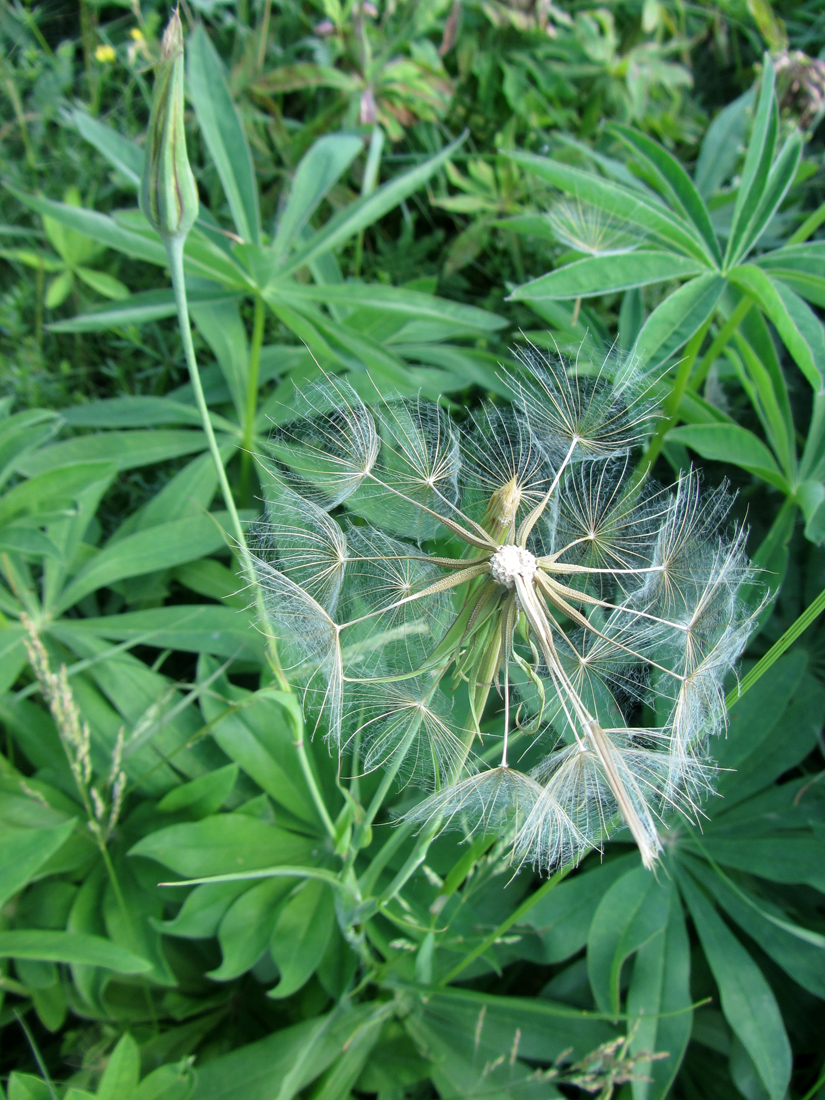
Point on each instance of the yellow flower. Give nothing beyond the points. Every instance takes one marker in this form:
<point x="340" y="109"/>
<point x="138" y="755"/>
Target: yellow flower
<point x="105" y="54"/>
<point x="136" y="34"/>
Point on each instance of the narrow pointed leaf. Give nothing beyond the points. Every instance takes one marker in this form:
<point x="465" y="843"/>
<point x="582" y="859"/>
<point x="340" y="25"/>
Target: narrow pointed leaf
<point x="368" y="209"/>
<point x="318" y="171"/>
<point x="747" y="1000"/>
<point x="223" y="133"/>
<point x="678" y="317"/>
<point x="800" y="329"/>
<point x="607" y="274"/>
<point x="674" y="183"/>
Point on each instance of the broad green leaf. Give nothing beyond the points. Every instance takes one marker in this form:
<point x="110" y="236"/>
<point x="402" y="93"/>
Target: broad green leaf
<point x="119" y="151"/>
<point x="279" y="1066"/>
<point x="122" y="1072"/>
<point x="222" y="844"/>
<point x="624" y="204"/>
<point x="342" y="1076"/>
<point x="223" y="133"/>
<point x="255" y="731"/>
<point x="245" y="930"/>
<point x="127" y="231"/>
<point x="174" y="1082"/>
<point x="784" y="858"/>
<point x="69" y="947"/>
<point x="677" y="318"/>
<point x="318" y="171"/>
<point x="105" y="285"/>
<point x="58" y="290"/>
<point x="301" y="935"/>
<point x="158" y="547"/>
<point x="125" y="450"/>
<point x="806" y="259"/>
<point x="774" y="740"/>
<point x="799" y="951"/>
<point x="24" y="851"/>
<point x="368" y="209"/>
<point x="545" y="1027"/>
<point x="204" y="908"/>
<point x="101" y="228"/>
<point x="730" y="443"/>
<point x="563" y="917"/>
<point x="747" y="1000"/>
<point x="606" y="274"/>
<point x="758" y="161"/>
<point x="40" y="261"/>
<point x="189" y="493"/>
<point x="659" y="1003"/>
<point x="798" y="326"/>
<point x="757" y="715"/>
<point x="139" y="309"/>
<point x="24" y="1086"/>
<point x="12" y="655"/>
<point x="203" y="796"/>
<point x="394" y="300"/>
<point x="631" y="913"/>
<point x="674" y="183"/>
<point x="22" y="539"/>
<point x="200" y="628"/>
<point x="131" y="412"/>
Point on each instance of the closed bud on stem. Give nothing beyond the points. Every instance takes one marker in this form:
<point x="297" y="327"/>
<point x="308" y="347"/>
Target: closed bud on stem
<point x="168" y="193"/>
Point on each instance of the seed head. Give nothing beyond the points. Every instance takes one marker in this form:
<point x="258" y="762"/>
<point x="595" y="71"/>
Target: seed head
<point x="514" y="554"/>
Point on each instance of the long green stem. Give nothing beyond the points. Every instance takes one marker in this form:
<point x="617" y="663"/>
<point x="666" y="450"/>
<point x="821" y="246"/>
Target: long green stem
<point x="671" y="408"/>
<point x="506" y="924"/>
<point x="251" y="399"/>
<point x="720" y="341"/>
<point x="174" y="249"/>
<point x="777" y="649"/>
<point x="809" y="226"/>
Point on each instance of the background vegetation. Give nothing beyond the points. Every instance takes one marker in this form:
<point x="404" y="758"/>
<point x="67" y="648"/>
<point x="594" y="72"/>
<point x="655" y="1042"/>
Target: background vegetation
<point x="403" y="190"/>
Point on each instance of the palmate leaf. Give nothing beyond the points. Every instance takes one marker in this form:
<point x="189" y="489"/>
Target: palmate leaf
<point x="730" y="443"/>
<point x="625" y="204"/>
<point x="673" y="182"/>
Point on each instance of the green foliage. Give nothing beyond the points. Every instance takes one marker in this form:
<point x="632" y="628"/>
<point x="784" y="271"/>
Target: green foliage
<point x="197" y="901"/>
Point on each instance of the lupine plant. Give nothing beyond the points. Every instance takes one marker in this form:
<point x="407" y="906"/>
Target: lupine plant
<point x="583" y="597"/>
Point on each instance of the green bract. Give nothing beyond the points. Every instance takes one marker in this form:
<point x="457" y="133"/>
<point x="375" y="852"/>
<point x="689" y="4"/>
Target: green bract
<point x="168" y="192"/>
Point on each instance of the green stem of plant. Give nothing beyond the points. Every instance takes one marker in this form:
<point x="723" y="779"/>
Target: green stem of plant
<point x="174" y="250"/>
<point x="377" y="801"/>
<point x="412" y="863"/>
<point x="506" y="924"/>
<point x="251" y="401"/>
<point x="382" y="857"/>
<point x="777" y="649"/>
<point x="671" y="408"/>
<point x="720" y="341"/>
<point x="809" y="226"/>
<point x="263" y="34"/>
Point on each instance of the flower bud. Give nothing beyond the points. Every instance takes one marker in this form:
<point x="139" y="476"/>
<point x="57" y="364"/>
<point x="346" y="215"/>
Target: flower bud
<point x="168" y="193"/>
